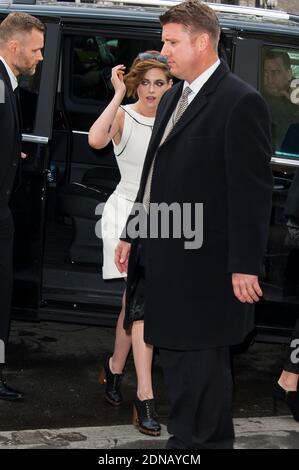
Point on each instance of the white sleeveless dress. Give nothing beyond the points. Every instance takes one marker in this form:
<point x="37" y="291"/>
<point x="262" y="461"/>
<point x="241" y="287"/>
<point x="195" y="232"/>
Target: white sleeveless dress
<point x="130" y="154"/>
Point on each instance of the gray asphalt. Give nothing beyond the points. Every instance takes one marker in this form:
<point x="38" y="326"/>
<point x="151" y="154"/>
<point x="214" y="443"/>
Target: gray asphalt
<point x="56" y="365"/>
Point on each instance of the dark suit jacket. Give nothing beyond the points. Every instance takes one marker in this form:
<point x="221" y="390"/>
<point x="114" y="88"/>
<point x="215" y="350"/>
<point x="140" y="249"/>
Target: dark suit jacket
<point x="218" y="154"/>
<point x="10" y="138"/>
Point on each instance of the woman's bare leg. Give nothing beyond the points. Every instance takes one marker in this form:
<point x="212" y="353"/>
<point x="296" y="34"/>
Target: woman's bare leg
<point x="122" y="344"/>
<point x="143" y="355"/>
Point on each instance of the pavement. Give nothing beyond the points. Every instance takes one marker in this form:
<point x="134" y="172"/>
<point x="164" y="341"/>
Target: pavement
<point x="57" y="365"/>
<point x="251" y="433"/>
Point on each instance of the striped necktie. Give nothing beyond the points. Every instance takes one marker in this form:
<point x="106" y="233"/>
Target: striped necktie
<point x="182" y="105"/>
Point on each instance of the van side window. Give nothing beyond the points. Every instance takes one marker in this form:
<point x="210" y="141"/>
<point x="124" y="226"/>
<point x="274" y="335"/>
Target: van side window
<point x="280" y="88"/>
<point x="92" y="58"/>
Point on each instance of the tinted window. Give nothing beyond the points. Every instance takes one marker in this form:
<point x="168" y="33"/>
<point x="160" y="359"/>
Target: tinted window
<point x="280" y="88"/>
<point x="92" y="58"/>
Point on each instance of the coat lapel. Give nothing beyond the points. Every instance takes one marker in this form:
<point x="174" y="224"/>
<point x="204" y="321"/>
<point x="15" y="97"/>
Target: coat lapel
<point x="167" y="107"/>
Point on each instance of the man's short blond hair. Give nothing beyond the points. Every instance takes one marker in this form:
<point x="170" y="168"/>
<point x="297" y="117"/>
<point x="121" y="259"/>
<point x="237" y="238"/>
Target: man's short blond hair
<point x="195" y="16"/>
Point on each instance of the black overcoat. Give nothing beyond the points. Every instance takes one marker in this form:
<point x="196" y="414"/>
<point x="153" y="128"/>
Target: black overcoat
<point x="10" y="138"/>
<point x="10" y="152"/>
<point x="218" y="154"/>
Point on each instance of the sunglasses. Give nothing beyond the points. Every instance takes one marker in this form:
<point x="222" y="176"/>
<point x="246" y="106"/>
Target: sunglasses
<point x="147" y="56"/>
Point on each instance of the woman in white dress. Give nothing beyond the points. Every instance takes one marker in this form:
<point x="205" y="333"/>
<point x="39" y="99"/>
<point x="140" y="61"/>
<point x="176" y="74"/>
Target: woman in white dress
<point x="129" y="127"/>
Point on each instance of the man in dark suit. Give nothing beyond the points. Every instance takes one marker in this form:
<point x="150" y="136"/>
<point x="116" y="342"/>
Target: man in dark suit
<point x="21" y="42"/>
<point x="211" y="144"/>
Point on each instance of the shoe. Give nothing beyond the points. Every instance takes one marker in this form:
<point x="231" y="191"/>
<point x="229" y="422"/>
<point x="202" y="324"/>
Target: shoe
<point x="8" y="393"/>
<point x="113" y="384"/>
<point x="145" y="417"/>
<point x="291" y="398"/>
<point x="175" y="443"/>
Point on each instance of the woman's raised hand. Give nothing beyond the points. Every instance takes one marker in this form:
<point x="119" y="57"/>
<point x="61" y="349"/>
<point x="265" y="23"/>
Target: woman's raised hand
<point x="117" y="79"/>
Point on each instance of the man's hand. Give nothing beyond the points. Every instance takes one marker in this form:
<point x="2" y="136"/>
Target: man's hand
<point x="246" y="287"/>
<point x="121" y="256"/>
<point x="24" y="155"/>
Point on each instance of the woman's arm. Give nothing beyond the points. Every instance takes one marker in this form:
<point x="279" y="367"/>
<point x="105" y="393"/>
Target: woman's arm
<point x="109" y="124"/>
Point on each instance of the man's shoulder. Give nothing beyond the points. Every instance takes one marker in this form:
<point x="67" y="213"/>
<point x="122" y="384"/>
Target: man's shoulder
<point x="235" y="91"/>
<point x="237" y="86"/>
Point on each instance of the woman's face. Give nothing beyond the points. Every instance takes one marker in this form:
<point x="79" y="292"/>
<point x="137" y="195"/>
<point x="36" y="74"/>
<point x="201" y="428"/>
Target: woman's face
<point x="152" y="88"/>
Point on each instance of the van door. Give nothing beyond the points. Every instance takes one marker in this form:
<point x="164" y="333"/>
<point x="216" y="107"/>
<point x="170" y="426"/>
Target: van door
<point x="37" y="95"/>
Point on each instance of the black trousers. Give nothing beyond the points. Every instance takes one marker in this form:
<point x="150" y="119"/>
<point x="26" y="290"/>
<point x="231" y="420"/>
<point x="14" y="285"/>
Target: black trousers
<point x="292" y="362"/>
<point x="6" y="274"/>
<point x="199" y="386"/>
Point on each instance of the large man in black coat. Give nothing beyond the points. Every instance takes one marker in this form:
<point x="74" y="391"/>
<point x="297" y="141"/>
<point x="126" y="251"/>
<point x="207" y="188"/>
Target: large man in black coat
<point x="21" y="42"/>
<point x="199" y="301"/>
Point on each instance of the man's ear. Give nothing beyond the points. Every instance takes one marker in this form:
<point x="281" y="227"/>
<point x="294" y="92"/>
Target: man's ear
<point x="203" y="41"/>
<point x="13" y="45"/>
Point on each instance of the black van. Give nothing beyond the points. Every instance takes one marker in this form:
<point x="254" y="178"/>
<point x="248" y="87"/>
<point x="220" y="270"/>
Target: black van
<point x="58" y="256"/>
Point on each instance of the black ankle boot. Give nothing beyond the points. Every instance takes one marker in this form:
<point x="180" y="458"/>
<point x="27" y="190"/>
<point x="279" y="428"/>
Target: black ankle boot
<point x="291" y="398"/>
<point x="145" y="417"/>
<point x="112" y="382"/>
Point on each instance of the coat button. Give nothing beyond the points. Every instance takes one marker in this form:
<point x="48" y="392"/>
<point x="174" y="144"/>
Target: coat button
<point x="14" y="163"/>
<point x="7" y="192"/>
